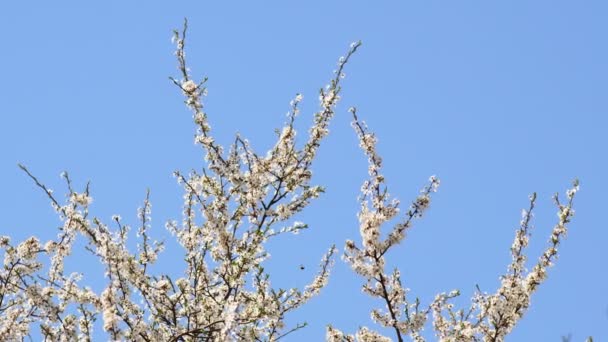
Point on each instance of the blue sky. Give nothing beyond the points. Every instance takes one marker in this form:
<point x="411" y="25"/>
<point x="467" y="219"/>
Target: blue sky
<point x="497" y="99"/>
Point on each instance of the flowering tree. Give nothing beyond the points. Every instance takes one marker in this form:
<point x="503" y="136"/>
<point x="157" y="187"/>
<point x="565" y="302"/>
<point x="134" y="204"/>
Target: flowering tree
<point x="231" y="209"/>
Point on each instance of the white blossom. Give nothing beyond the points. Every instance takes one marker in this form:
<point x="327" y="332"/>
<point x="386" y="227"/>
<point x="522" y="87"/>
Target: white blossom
<point x="189" y="86"/>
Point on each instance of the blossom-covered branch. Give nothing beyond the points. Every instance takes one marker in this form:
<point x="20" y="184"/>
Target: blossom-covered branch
<point x="490" y="317"/>
<point x="231" y="209"/>
<point x="377" y="208"/>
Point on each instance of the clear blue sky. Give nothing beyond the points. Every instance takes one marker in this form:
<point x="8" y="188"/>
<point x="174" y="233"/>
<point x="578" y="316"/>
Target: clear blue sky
<point x="499" y="99"/>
